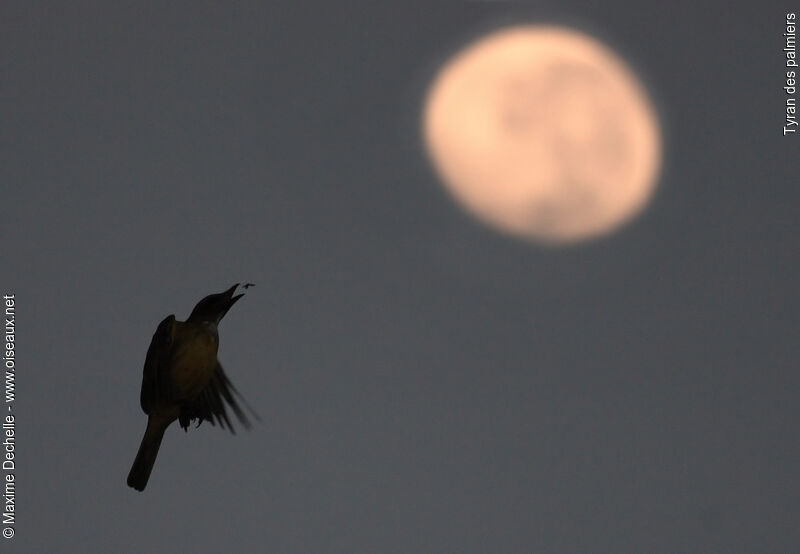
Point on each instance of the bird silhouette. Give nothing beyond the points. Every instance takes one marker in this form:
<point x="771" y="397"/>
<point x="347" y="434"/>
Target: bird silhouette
<point x="183" y="380"/>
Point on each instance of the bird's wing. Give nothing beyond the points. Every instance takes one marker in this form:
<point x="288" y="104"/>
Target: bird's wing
<point x="210" y="405"/>
<point x="156" y="387"/>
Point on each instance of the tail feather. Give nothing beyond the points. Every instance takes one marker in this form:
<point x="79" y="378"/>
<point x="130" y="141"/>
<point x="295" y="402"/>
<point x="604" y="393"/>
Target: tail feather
<point x="146" y="457"/>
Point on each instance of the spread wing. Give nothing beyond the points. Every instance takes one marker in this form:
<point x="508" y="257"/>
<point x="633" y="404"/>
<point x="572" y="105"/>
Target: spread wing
<point x="156" y="385"/>
<point x="212" y="403"/>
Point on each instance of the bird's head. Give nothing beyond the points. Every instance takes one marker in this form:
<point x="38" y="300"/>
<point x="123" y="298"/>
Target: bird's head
<point x="213" y="307"/>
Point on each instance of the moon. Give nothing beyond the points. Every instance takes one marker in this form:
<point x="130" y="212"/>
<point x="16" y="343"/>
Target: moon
<point x="544" y="133"/>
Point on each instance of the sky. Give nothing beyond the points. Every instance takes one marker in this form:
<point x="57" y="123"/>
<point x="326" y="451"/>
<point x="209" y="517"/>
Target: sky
<point x="425" y="384"/>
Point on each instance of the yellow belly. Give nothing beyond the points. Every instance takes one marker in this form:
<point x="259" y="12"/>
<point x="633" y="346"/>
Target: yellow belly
<point x="194" y="361"/>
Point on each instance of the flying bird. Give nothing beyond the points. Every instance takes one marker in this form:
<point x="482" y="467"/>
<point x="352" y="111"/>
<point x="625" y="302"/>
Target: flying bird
<point x="183" y="380"/>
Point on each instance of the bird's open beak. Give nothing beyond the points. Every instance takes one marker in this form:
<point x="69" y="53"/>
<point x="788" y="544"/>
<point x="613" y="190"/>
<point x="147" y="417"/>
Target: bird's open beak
<point x="231" y="300"/>
<point x="231" y="290"/>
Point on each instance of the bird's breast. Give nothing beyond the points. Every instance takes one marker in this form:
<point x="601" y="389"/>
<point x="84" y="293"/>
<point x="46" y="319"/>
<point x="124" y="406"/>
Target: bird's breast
<point x="194" y="361"/>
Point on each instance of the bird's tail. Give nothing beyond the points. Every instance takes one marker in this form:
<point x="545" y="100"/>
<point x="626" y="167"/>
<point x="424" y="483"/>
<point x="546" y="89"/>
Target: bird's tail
<point x="146" y="457"/>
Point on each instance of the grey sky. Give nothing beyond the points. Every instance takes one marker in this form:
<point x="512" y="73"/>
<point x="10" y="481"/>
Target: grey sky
<point x="424" y="384"/>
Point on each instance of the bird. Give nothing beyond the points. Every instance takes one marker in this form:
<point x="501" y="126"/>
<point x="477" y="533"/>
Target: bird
<point x="184" y="380"/>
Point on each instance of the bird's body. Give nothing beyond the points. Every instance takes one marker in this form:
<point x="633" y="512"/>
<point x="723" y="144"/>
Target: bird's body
<point x="183" y="379"/>
<point x="194" y="357"/>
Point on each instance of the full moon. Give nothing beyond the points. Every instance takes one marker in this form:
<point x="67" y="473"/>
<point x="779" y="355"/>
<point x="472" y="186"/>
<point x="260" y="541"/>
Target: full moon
<point x="544" y="133"/>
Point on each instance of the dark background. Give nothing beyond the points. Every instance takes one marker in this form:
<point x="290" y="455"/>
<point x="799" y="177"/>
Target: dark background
<point x="425" y="384"/>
